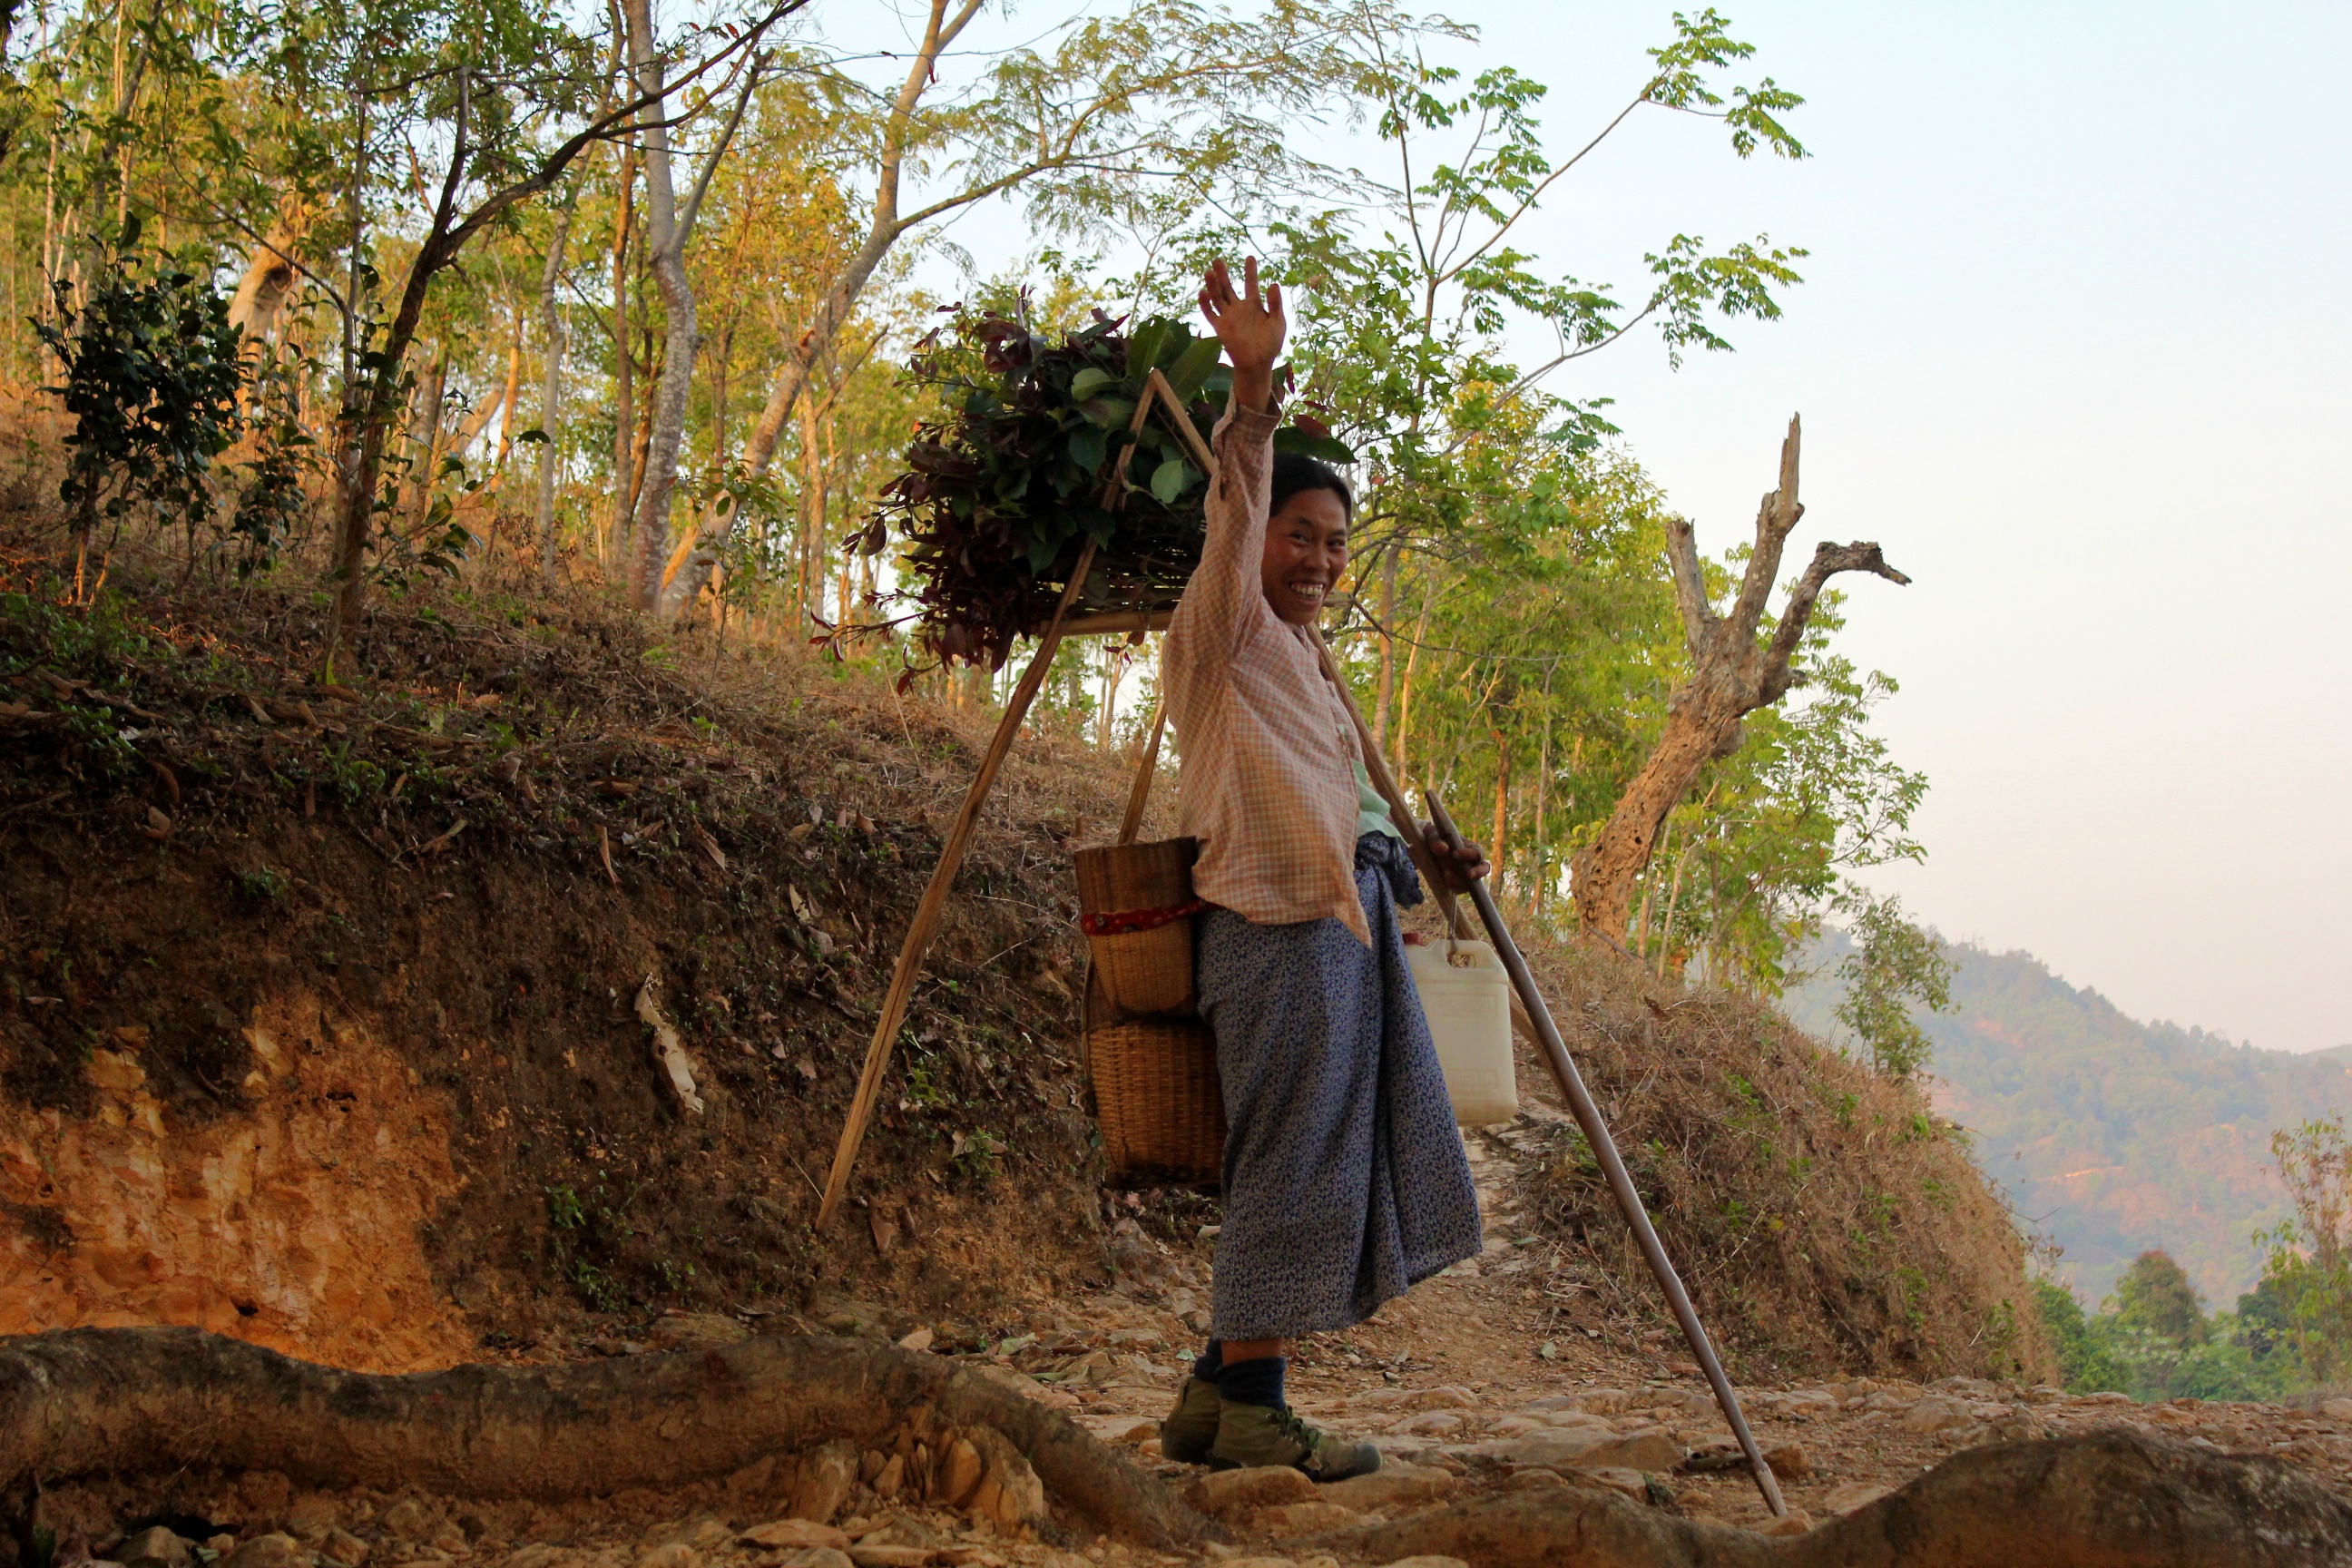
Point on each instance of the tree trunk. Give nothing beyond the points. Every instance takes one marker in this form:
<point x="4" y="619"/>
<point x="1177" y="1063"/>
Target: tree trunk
<point x="1502" y="806"/>
<point x="1542" y="873"/>
<point x="269" y="277"/>
<point x="810" y="590"/>
<point x="424" y="439"/>
<point x="791" y="386"/>
<point x="1607" y="870"/>
<point x="1411" y="662"/>
<point x="1388" y="653"/>
<point x="471" y="429"/>
<point x="624" y="418"/>
<point x="1733" y="673"/>
<point x="665" y="251"/>
<point x="670" y="229"/>
<point x="511" y="395"/>
<point x="551" y="397"/>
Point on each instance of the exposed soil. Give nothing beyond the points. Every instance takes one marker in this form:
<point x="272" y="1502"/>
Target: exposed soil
<point x="319" y="1005"/>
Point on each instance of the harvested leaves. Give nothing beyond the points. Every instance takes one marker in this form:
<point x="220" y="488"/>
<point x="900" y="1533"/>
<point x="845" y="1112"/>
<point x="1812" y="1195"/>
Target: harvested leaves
<point x="1000" y="496"/>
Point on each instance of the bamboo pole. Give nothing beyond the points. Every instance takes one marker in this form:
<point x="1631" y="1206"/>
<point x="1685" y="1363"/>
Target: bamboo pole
<point x="926" y="923"/>
<point x="1113" y="621"/>
<point x="1140" y="790"/>
<point x="925" y="926"/>
<point x="1612" y="1165"/>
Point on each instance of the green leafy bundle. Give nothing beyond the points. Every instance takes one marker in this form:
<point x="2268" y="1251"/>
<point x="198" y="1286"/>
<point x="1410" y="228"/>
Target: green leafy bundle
<point x="1001" y="494"/>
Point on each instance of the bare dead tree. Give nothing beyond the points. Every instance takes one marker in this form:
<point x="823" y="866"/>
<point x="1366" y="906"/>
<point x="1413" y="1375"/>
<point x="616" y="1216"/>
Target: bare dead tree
<point x="1733" y="673"/>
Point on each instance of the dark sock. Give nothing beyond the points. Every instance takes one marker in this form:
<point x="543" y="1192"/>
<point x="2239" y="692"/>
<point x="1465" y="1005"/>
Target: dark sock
<point x="1211" y="1363"/>
<point x="1254" y="1382"/>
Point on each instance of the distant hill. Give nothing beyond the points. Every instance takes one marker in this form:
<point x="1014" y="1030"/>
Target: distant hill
<point x="2110" y="1135"/>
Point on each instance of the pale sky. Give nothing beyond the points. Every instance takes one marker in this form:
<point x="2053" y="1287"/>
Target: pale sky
<point x="2072" y="348"/>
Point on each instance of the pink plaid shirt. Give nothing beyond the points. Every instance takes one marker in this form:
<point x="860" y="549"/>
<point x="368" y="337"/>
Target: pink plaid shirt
<point x="1266" y="779"/>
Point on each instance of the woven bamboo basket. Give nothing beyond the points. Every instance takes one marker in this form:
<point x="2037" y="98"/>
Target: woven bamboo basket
<point x="1157" y="1097"/>
<point x="1136" y="905"/>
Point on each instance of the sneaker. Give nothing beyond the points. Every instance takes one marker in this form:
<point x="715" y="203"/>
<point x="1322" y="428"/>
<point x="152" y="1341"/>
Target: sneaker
<point x="1252" y="1435"/>
<point x="1191" y="1427"/>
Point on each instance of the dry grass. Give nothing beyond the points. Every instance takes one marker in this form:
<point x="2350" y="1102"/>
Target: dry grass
<point x="1824" y="1217"/>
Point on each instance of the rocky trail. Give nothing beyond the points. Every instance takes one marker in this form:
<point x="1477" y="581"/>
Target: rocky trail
<point x="1511" y="1430"/>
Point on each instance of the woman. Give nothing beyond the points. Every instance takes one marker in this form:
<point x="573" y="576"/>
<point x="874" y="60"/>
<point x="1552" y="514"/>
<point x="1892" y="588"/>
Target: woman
<point x="1344" y="1178"/>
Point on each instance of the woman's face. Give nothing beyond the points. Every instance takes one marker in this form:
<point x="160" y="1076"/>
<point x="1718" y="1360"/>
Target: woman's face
<point x="1305" y="551"/>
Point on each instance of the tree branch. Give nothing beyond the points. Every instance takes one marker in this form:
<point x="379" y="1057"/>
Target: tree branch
<point x="1700" y="625"/>
<point x="711" y="164"/>
<point x="619" y="122"/>
<point x="1829" y="560"/>
<point x="1775" y="516"/>
<point x="1527" y="204"/>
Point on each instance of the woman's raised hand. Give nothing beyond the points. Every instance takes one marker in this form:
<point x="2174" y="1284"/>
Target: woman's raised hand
<point x="1251" y="326"/>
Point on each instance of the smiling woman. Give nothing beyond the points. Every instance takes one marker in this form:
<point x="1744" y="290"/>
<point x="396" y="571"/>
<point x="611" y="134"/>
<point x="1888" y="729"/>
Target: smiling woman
<point x="1344" y="1181"/>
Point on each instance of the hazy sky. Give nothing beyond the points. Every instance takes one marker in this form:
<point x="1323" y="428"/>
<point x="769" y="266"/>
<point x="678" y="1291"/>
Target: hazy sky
<point x="2071" y="347"/>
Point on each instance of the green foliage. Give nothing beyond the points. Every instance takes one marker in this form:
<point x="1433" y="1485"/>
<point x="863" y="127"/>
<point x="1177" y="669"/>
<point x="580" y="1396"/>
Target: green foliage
<point x="1895" y="964"/>
<point x="2156" y="1298"/>
<point x="273" y="507"/>
<point x="2154" y="1340"/>
<point x="1003" y="492"/>
<point x="260" y="885"/>
<point x="152" y="369"/>
<point x="2308" y="1271"/>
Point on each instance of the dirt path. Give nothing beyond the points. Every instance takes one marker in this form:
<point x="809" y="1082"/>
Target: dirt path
<point x="1506" y="1362"/>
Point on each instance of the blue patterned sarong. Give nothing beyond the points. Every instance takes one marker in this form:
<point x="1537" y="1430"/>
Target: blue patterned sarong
<point x="1345" y="1182"/>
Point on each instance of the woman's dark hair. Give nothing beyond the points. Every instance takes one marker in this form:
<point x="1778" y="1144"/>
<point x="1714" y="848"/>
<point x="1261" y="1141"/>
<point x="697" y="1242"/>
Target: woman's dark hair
<point x="1296" y="471"/>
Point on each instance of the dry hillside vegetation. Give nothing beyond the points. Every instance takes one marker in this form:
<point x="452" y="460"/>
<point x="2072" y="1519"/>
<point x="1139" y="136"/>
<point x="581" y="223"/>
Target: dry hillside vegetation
<point x="1826" y="1218"/>
<point x="333" y="1016"/>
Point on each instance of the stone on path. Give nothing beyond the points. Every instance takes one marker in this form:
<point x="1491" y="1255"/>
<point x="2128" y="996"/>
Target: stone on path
<point x="891" y="1556"/>
<point x="1260" y="1486"/>
<point x="1391" y="1486"/>
<point x="273" y="1550"/>
<point x="1308" y="1518"/>
<point x="1933" y="1414"/>
<point x="823" y="1483"/>
<point x="155" y="1545"/>
<point x="1852" y="1496"/>
<point x="1587" y="1449"/>
<point x="793" y="1535"/>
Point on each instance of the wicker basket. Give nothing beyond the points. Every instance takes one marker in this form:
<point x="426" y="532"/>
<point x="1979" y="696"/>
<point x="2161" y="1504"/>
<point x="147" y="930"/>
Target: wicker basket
<point x="1135" y="904"/>
<point x="1157" y="1098"/>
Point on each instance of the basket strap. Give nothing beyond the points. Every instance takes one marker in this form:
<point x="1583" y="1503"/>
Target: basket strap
<point x="1140" y="790"/>
<point x="1126" y="923"/>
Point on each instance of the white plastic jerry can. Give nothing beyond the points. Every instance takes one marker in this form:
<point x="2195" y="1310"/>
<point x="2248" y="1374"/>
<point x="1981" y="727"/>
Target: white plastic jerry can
<point x="1466" y="995"/>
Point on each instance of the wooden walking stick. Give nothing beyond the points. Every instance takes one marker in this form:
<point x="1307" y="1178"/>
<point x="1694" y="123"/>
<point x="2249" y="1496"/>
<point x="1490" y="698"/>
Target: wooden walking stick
<point x="1612" y="1165"/>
